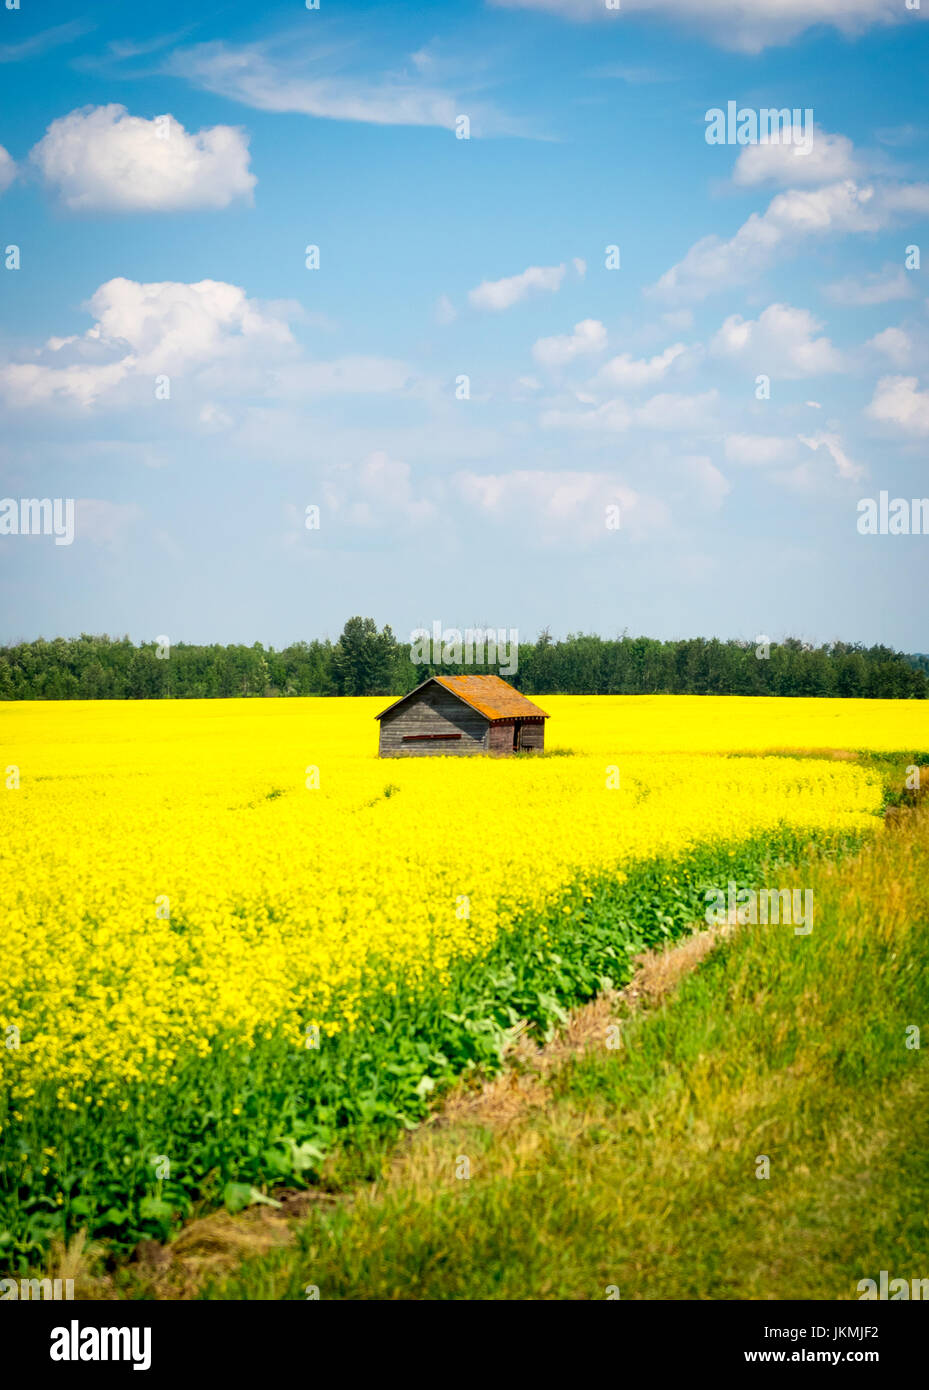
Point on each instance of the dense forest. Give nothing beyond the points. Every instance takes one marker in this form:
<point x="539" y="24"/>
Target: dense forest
<point x="365" y="661"/>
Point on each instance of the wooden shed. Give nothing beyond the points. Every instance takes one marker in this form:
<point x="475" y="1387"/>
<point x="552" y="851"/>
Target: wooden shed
<point x="460" y="714"/>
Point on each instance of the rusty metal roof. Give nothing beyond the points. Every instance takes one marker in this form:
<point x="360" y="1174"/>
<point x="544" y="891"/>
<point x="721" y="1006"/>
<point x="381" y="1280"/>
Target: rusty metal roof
<point x="492" y="696"/>
<point x="489" y="695"/>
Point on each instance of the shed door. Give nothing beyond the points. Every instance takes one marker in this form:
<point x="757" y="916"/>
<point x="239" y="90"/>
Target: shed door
<point x="517" y="725"/>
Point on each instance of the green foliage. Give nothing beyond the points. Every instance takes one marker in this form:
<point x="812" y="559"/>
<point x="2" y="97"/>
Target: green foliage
<point x="365" y="661"/>
<point x="362" y="659"/>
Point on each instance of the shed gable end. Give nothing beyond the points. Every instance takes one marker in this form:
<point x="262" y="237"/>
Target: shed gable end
<point x="432" y="722"/>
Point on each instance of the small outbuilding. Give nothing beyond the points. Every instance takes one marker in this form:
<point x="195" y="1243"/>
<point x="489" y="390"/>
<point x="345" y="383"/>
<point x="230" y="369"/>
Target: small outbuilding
<point x="461" y="714"/>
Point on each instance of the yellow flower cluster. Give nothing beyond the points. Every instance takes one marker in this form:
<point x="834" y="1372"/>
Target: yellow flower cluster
<point x="172" y="870"/>
<point x="734" y="724"/>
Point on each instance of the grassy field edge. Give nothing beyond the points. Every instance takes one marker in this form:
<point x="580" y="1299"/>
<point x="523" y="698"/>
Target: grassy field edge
<point x="760" y="1135"/>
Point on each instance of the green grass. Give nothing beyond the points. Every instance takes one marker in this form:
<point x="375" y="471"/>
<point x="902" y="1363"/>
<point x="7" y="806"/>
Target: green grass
<point x="640" y="1170"/>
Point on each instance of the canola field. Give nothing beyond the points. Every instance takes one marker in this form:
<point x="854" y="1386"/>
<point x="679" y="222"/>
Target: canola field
<point x="234" y="939"/>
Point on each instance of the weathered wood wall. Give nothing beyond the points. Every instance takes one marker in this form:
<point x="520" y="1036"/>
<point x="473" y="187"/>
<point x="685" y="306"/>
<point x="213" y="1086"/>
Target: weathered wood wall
<point x="433" y="711"/>
<point x="500" y="739"/>
<point x="532" y="735"/>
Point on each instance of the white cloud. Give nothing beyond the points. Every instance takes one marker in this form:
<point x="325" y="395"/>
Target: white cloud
<point x="503" y="294"/>
<point x="613" y="417"/>
<point x="214" y="419"/>
<point x="877" y="287"/>
<point x="793" y="162"/>
<point x="43" y="41"/>
<point x="250" y="75"/>
<point x="666" y="411"/>
<point x="377" y="487"/>
<point x="445" y="311"/>
<point x="525" y="388"/>
<point x="746" y="25"/>
<point x="898" y="401"/>
<point x="895" y="344"/>
<point x="713" y="263"/>
<point x="209" y="330"/>
<point x="904" y="199"/>
<point x="625" y="373"/>
<point x="129" y="48"/>
<point x="588" y="337"/>
<point x="561" y="506"/>
<point x="779" y="342"/>
<point x="171" y="323"/>
<point x="101" y="158"/>
<point x="758" y="450"/>
<point x="711" y="484"/>
<point x="7" y="170"/>
<point x="671" y="411"/>
<point x="30" y="383"/>
<point x="833" y="445"/>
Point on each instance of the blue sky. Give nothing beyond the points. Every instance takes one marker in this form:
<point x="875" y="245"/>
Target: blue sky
<point x="175" y="248"/>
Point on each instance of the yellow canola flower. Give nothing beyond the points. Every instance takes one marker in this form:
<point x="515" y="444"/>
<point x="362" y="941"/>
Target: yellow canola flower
<point x="167" y="874"/>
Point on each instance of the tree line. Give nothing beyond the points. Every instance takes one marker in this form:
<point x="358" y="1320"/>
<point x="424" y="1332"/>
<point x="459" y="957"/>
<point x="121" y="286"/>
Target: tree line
<point x="368" y="661"/>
